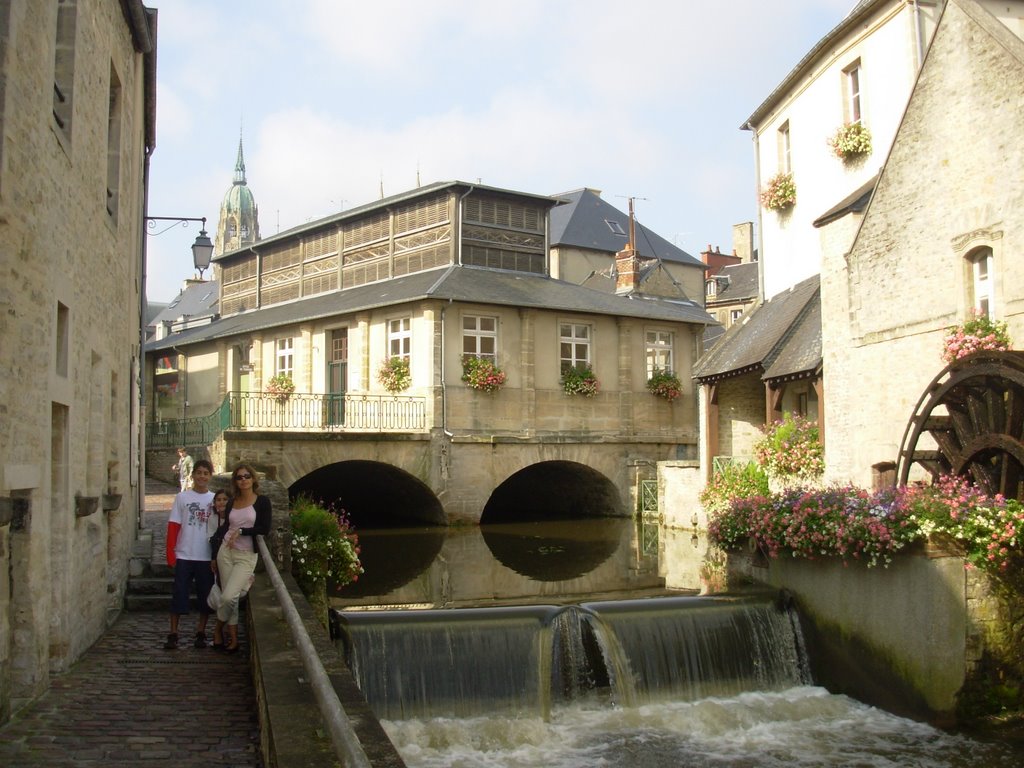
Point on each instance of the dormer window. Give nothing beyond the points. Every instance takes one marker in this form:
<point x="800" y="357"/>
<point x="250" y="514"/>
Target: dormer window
<point x="710" y="287"/>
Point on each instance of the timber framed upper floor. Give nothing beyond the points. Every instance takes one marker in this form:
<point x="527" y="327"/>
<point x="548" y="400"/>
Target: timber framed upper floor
<point x="440" y="224"/>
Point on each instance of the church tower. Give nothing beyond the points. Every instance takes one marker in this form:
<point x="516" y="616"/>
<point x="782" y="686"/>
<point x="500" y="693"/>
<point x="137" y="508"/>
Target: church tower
<point x="239" y="217"/>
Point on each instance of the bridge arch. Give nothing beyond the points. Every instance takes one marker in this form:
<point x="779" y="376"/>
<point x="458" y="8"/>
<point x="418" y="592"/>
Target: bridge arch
<point x="553" y="490"/>
<point x="374" y="494"/>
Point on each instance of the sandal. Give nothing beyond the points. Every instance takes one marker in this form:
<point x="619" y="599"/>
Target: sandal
<point x="200" y="640"/>
<point x="172" y="642"/>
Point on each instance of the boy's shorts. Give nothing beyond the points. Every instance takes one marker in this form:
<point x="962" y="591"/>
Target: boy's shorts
<point x="184" y="572"/>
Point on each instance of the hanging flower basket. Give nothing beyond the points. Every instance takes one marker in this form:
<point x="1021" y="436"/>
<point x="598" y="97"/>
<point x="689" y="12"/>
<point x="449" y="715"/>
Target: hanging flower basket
<point x="482" y="374"/>
<point x="580" y="381"/>
<point x="779" y="193"/>
<point x="851" y="140"/>
<point x="665" y="384"/>
<point x="394" y="374"/>
<point x="281" y="387"/>
<point x="976" y="333"/>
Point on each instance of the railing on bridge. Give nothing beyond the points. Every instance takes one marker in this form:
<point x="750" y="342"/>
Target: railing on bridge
<point x="296" y="412"/>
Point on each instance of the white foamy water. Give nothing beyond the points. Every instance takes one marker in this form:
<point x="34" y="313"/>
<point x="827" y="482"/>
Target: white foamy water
<point x="803" y="726"/>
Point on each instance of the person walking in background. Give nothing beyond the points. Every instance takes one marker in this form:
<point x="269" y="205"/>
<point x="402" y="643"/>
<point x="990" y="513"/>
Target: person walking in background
<point x="184" y="468"/>
<point x="188" y="551"/>
<point x="249" y="516"/>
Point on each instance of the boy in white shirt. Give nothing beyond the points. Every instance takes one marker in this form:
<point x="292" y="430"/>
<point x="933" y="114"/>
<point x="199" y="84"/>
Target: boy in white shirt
<point x="188" y="551"/>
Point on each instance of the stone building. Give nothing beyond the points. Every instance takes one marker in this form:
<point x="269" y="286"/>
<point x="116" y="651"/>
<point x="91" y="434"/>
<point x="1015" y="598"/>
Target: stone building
<point x="77" y="124"/>
<point x="429" y="276"/>
<point x="939" y="238"/>
<point x="863" y="71"/>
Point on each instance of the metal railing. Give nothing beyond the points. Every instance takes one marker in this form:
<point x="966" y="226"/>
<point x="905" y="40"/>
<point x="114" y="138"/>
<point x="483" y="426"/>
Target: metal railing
<point x="295" y="412"/>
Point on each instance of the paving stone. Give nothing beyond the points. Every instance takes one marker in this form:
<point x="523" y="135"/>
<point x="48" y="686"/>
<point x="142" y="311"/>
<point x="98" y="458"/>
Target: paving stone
<point x="128" y="701"/>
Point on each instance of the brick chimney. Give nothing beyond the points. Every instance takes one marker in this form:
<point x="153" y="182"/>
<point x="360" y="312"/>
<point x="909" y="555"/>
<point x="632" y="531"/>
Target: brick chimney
<point x="627" y="271"/>
<point x="715" y="260"/>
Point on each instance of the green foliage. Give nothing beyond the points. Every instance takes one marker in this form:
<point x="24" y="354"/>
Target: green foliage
<point x="791" y="448"/>
<point x="779" y="192"/>
<point x="851" y="140"/>
<point x="324" y="548"/>
<point x="482" y="374"/>
<point x="394" y="374"/>
<point x="580" y="381"/>
<point x="978" y="332"/>
<point x="665" y="384"/>
<point x="732" y="481"/>
<point x="281" y="386"/>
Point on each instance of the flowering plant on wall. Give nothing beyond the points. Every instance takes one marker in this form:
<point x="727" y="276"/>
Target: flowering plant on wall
<point x="281" y="386"/>
<point x="580" y="381"/>
<point x="791" y="448"/>
<point x="976" y="333"/>
<point x="665" y="384"/>
<point x="851" y="140"/>
<point x="325" y="551"/>
<point x="482" y="374"/>
<point x="779" y="192"/>
<point x="394" y="374"/>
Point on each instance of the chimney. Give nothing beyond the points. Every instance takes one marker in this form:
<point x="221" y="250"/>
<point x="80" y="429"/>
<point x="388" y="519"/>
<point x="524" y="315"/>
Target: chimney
<point x="627" y="271"/>
<point x="743" y="241"/>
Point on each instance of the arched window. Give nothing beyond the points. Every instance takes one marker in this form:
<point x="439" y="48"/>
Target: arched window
<point x="982" y="280"/>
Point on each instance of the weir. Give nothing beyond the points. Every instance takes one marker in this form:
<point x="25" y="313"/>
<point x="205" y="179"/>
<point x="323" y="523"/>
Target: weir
<point x="525" y="660"/>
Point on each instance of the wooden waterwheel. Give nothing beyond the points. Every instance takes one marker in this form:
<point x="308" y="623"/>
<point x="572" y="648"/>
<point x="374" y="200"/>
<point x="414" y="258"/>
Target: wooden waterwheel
<point x="974" y="412"/>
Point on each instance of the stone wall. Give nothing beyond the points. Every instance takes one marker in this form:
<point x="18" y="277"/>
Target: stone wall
<point x="70" y="276"/>
<point x="953" y="182"/>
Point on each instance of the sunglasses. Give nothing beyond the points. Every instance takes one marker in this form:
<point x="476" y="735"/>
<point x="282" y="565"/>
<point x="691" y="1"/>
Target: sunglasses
<point x="243" y="477"/>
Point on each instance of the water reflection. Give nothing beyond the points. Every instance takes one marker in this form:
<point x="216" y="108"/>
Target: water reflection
<point x="521" y="563"/>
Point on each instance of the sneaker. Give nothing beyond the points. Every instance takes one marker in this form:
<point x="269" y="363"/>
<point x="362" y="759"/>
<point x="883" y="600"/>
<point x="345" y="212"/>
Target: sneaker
<point x="200" y="640"/>
<point x="172" y="642"/>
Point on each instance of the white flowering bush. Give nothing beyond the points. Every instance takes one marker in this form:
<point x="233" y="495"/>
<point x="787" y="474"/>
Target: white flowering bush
<point x="325" y="551"/>
<point x="779" y="193"/>
<point x="851" y="140"/>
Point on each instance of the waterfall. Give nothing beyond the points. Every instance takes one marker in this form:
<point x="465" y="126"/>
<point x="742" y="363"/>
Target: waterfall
<point x="524" y="660"/>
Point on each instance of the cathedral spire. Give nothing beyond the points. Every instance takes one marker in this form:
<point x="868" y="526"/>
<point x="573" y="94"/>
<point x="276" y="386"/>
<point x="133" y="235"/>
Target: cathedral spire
<point x="240" y="162"/>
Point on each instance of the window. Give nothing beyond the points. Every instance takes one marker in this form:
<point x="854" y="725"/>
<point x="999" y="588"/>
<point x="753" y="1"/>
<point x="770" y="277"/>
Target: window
<point x="785" y="149"/>
<point x="574" y="346"/>
<point x="659" y="351"/>
<point x="113" y="145"/>
<point x="982" y="281"/>
<point x="285" y="357"/>
<point x="400" y="338"/>
<point x="615" y="227"/>
<point x="710" y="287"/>
<point x="851" y="87"/>
<point x="61" y="362"/>
<point x="480" y="336"/>
<point x="64" y="66"/>
<point x="735" y="314"/>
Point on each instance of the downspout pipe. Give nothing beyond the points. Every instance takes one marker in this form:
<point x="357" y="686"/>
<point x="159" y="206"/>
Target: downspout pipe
<point x="760" y="214"/>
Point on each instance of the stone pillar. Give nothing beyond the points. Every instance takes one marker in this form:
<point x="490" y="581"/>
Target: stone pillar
<point x="527" y="368"/>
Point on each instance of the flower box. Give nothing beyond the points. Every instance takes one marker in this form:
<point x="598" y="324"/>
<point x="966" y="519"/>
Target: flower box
<point x="850" y="141"/>
<point x="779" y="193"/>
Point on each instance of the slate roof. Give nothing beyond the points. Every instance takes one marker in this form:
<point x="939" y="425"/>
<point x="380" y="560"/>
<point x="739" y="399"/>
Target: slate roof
<point x="582" y="221"/>
<point x="855" y="202"/>
<point x="455" y="283"/>
<point x="742" y="283"/>
<point x="196" y="300"/>
<point x="781" y="337"/>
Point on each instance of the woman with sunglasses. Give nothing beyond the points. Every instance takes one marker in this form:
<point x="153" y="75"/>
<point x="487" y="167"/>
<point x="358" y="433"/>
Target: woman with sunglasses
<point x="248" y="516"/>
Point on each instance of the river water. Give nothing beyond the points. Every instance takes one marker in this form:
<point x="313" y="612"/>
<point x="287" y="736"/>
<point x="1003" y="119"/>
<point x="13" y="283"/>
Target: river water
<point x="600" y="643"/>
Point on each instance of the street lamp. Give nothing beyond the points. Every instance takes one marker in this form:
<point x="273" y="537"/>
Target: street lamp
<point x="202" y="248"/>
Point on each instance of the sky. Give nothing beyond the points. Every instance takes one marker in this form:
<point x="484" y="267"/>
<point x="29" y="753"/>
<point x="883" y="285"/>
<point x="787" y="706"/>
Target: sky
<point x="337" y="99"/>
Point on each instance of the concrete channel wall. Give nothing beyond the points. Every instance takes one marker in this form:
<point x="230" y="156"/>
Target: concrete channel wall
<point x="292" y="730"/>
<point x="905" y="638"/>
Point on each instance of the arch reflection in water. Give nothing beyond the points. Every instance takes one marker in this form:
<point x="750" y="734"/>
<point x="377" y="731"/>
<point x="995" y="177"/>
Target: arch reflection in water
<point x="556" y="550"/>
<point x="463" y="663"/>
